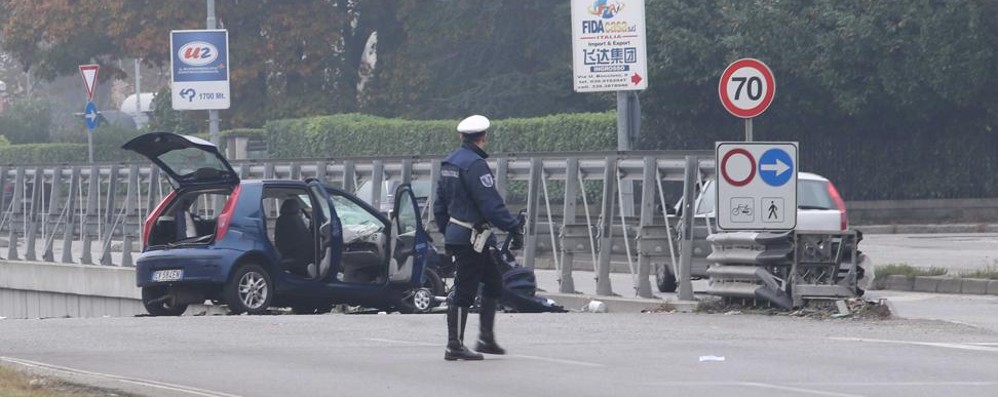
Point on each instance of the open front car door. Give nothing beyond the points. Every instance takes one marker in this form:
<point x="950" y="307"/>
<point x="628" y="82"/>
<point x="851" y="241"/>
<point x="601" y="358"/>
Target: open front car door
<point x="408" y="240"/>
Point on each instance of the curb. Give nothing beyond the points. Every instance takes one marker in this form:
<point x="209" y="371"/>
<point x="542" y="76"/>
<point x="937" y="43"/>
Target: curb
<point x="943" y="285"/>
<point x="616" y="304"/>
<point x="928" y="228"/>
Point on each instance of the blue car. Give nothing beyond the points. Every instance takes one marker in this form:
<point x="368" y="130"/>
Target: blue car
<point x="256" y="244"/>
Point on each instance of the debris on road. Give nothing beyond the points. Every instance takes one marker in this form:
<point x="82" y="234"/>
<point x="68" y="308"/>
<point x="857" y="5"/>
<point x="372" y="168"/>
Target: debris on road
<point x="711" y="358"/>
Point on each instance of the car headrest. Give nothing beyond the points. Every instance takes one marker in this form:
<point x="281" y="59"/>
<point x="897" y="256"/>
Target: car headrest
<point x="290" y="206"/>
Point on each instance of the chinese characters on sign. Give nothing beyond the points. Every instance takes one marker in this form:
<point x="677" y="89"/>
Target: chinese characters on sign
<point x="608" y="45"/>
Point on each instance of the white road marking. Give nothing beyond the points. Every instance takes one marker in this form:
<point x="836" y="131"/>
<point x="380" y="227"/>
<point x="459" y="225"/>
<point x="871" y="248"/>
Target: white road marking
<point x="798" y="390"/>
<point x="135" y="381"/>
<point x="557" y="360"/>
<point x="523" y="356"/>
<point x="960" y="346"/>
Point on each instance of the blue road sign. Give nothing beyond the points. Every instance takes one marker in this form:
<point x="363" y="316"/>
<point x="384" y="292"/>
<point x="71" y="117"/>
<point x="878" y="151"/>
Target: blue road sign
<point x="90" y="115"/>
<point x="776" y="167"/>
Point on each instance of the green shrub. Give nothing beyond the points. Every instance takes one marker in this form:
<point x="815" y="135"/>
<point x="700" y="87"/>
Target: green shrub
<point x="4" y="141"/>
<point x="26" y="121"/>
<point x="62" y="153"/>
<point x="351" y="135"/>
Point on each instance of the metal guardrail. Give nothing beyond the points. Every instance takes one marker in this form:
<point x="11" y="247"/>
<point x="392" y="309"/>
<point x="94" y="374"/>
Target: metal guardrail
<point x="786" y="269"/>
<point x="105" y="204"/>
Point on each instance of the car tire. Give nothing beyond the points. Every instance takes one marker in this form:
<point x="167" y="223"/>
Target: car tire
<point x="152" y="299"/>
<point x="422" y="300"/>
<point x="664" y="279"/>
<point x="249" y="290"/>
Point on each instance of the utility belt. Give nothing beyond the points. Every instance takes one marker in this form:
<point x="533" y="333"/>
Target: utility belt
<point x="480" y="233"/>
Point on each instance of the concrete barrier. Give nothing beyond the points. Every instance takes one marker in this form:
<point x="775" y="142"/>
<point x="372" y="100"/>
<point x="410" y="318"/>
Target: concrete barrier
<point x="39" y="289"/>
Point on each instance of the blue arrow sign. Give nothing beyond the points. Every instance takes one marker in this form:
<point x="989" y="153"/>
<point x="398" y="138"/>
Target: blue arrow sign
<point x="90" y="115"/>
<point x="776" y="167"/>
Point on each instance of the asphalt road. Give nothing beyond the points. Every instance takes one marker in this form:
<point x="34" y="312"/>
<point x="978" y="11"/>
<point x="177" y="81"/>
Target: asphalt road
<point x="575" y="354"/>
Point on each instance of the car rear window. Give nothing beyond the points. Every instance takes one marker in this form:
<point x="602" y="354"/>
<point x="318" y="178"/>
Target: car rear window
<point x="814" y="194"/>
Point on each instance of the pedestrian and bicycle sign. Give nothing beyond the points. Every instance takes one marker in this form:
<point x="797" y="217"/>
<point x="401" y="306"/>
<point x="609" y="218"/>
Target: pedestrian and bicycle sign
<point x="756" y="185"/>
<point x="747" y="88"/>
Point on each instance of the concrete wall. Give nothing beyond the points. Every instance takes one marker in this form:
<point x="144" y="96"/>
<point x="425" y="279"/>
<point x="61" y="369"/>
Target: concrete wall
<point x="38" y="290"/>
<point x="895" y="212"/>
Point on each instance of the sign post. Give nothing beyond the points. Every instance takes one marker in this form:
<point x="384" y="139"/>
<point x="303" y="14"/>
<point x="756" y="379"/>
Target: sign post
<point x="756" y="185"/>
<point x="746" y="89"/>
<point x="90" y="113"/>
<point x="609" y="54"/>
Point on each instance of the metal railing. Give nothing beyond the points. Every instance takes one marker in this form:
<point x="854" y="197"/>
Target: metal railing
<point x="100" y="208"/>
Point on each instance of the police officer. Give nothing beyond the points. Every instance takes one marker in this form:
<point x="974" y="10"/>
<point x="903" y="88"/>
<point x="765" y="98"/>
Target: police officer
<point x="466" y="208"/>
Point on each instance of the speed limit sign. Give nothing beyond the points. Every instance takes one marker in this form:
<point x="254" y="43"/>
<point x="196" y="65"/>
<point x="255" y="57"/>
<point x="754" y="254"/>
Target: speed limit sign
<point x="747" y="87"/>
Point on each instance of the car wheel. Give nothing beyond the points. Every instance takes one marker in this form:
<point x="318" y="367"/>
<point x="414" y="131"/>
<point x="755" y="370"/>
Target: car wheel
<point x="157" y="302"/>
<point x="664" y="279"/>
<point x="250" y="290"/>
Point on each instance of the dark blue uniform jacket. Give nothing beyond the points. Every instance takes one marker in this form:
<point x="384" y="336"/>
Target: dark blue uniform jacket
<point x="467" y="192"/>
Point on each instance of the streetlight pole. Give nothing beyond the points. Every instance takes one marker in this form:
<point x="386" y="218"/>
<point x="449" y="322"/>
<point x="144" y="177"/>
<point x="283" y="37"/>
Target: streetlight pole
<point x="212" y="114"/>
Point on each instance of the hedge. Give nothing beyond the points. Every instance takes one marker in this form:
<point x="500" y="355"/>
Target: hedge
<point x="62" y="153"/>
<point x="350" y="135"/>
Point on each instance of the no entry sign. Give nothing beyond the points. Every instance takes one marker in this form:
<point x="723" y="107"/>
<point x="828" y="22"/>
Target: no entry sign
<point x="747" y="88"/>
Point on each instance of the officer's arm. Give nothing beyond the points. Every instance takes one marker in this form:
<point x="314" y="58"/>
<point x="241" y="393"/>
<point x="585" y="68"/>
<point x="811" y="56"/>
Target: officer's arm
<point x="440" y="215"/>
<point x="480" y="181"/>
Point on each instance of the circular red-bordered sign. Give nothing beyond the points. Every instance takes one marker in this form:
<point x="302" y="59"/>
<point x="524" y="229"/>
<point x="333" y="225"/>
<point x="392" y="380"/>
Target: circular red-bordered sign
<point x="724" y="167"/>
<point x="746" y="88"/>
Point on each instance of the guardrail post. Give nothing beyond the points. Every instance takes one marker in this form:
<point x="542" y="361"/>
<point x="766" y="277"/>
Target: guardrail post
<point x="502" y="176"/>
<point x="647" y="217"/>
<point x="15" y="209"/>
<point x="603" y="286"/>
<point x="533" y="193"/>
<point x="109" y="214"/>
<point x="67" y="235"/>
<point x="55" y="194"/>
<point x="320" y="172"/>
<point x="377" y="179"/>
<point x="34" y="213"/>
<point x="406" y="171"/>
<point x="689" y="216"/>
<point x="93" y="185"/>
<point x="3" y="197"/>
<point x="349" y="176"/>
<point x="130" y="199"/>
<point x="431" y="200"/>
<point x="566" y="282"/>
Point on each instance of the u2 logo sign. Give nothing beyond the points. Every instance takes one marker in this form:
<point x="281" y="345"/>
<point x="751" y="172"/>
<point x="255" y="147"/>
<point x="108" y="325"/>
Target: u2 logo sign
<point x="197" y="53"/>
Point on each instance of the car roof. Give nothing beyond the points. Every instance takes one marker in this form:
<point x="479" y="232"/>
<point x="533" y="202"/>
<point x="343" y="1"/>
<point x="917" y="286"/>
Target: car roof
<point x="808" y="176"/>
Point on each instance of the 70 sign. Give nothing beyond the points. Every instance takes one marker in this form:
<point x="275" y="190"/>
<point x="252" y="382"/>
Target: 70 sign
<point x="747" y="88"/>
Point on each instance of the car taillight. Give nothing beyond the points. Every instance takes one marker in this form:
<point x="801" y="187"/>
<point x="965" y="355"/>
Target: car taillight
<point x="153" y="216"/>
<point x="225" y="218"/>
<point x="837" y="198"/>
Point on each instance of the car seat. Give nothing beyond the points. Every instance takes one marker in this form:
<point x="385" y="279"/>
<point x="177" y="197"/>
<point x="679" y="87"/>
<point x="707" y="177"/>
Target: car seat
<point x="293" y="238"/>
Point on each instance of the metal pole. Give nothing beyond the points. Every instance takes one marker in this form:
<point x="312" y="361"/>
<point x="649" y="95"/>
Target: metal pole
<point x="90" y="144"/>
<point x="212" y="114"/>
<point x="686" y="249"/>
<point x="625" y="130"/>
<point x="138" y="95"/>
<point x="748" y="130"/>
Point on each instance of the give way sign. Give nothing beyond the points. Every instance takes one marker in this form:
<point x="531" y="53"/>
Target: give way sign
<point x="756" y="185"/>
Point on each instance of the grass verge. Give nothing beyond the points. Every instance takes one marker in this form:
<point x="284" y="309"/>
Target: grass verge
<point x="15" y="383"/>
<point x="990" y="272"/>
<point x="904" y="269"/>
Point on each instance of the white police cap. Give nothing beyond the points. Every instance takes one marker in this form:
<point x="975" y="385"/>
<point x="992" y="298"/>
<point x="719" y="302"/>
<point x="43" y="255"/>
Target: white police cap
<point x="473" y="125"/>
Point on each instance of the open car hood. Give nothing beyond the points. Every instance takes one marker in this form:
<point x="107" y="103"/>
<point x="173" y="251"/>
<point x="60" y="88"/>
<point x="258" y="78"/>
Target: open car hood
<point x="188" y="160"/>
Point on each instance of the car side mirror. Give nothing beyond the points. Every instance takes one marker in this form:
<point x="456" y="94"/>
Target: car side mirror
<point x="671" y="211"/>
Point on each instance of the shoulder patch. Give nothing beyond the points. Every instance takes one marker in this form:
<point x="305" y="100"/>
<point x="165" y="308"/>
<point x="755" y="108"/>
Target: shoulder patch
<point x="487" y="180"/>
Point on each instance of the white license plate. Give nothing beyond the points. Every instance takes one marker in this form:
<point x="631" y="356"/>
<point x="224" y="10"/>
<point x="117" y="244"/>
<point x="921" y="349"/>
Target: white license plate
<point x="168" y="275"/>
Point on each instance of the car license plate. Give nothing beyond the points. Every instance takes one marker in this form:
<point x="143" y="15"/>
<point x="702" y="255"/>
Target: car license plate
<point x="168" y="275"/>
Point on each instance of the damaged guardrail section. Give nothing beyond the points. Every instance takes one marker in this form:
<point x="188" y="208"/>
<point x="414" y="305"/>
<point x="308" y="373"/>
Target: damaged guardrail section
<point x="786" y="269"/>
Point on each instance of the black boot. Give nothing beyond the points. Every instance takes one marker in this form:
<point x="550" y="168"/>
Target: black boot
<point x="486" y="337"/>
<point x="456" y="318"/>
